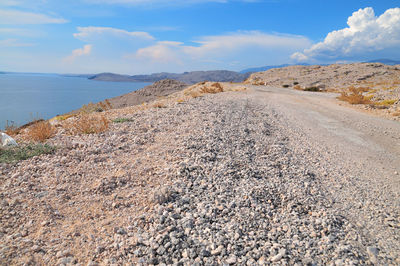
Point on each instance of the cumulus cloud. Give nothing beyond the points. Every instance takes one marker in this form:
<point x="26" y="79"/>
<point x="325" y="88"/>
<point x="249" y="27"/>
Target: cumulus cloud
<point x="366" y="35"/>
<point x="89" y="33"/>
<point x="13" y="17"/>
<point x="86" y="50"/>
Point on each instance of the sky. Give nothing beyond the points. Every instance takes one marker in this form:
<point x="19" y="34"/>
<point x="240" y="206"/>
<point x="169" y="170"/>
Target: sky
<point x="149" y="36"/>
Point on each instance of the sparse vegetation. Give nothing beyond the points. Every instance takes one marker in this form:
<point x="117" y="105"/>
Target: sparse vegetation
<point x="19" y="153"/>
<point x="95" y="107"/>
<point x="312" y="89"/>
<point x="214" y="88"/>
<point x="41" y="131"/>
<point x="285" y="85"/>
<point x="122" y="120"/>
<point x="159" y="105"/>
<point x="63" y="117"/>
<point x="295" y="83"/>
<point x="386" y="102"/>
<point x="298" y="87"/>
<point x="90" y="124"/>
<point x="11" y="129"/>
<point x="355" y="96"/>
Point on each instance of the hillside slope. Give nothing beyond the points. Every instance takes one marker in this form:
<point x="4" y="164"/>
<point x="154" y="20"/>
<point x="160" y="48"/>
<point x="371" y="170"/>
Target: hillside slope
<point x="187" y="77"/>
<point x="149" y="93"/>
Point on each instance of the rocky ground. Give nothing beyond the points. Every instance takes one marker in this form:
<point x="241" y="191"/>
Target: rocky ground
<point x="149" y="93"/>
<point x="381" y="82"/>
<point x="226" y="178"/>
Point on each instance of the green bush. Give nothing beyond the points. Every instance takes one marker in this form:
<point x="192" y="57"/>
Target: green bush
<point x="19" y="153"/>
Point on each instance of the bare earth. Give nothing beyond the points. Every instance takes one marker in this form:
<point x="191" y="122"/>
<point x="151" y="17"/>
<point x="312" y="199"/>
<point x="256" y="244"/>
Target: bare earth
<point x="262" y="176"/>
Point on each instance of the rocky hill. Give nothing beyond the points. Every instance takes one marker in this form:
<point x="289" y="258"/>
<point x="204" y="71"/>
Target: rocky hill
<point x="187" y="77"/>
<point x="152" y="92"/>
<point x="334" y="76"/>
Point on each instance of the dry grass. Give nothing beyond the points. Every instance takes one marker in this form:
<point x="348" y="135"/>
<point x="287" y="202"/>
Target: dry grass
<point x="181" y="100"/>
<point x="355" y="96"/>
<point x="11" y="129"/>
<point x="298" y="87"/>
<point x="41" y="131"/>
<point x="214" y="88"/>
<point x="159" y="105"/>
<point x="89" y="124"/>
<point x="386" y="102"/>
<point x="63" y="117"/>
<point x="95" y="107"/>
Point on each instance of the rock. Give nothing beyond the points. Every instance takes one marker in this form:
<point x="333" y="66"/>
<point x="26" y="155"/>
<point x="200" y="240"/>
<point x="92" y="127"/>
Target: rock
<point x="231" y="259"/>
<point x="6" y="140"/>
<point x="279" y="256"/>
<point x="373" y="253"/>
<point x="162" y="195"/>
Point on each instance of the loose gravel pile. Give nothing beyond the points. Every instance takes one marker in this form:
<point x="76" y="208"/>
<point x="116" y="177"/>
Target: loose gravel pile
<point x="210" y="181"/>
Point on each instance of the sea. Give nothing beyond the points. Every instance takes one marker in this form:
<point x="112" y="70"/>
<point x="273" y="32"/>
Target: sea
<point x="24" y="97"/>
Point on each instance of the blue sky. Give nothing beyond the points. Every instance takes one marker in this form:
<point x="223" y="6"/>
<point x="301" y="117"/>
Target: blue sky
<point x="147" y="36"/>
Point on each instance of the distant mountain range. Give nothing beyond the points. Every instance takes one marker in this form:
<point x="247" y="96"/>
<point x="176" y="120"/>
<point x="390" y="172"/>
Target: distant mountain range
<point x="191" y="77"/>
<point x="187" y="77"/>
<point x="389" y="62"/>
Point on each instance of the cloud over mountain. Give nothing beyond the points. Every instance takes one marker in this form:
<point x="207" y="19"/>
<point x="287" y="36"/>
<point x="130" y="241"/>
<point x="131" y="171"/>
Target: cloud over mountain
<point x="366" y="34"/>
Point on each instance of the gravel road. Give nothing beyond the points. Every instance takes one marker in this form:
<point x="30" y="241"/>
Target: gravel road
<point x="266" y="176"/>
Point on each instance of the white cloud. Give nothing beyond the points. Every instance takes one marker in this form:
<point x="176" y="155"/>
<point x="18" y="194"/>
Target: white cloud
<point x="86" y="50"/>
<point x="366" y="36"/>
<point x="13" y="43"/>
<point x="216" y="48"/>
<point x="89" y="33"/>
<point x="222" y="44"/>
<point x="162" y="52"/>
<point x="13" y="17"/>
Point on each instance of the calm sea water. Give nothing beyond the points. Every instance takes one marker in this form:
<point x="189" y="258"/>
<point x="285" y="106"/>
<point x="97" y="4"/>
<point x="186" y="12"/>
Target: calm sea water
<point x="26" y="96"/>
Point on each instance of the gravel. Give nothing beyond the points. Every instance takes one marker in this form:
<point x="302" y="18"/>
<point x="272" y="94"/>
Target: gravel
<point x="216" y="180"/>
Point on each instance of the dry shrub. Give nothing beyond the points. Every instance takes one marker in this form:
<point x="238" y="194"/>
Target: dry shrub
<point x="298" y="87"/>
<point x="95" y="107"/>
<point x="181" y="100"/>
<point x="214" y="88"/>
<point x="386" y="102"/>
<point x="355" y="96"/>
<point x="397" y="113"/>
<point x="158" y="105"/>
<point x="11" y="129"/>
<point x="41" y="131"/>
<point x="90" y="124"/>
<point x="63" y="117"/>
